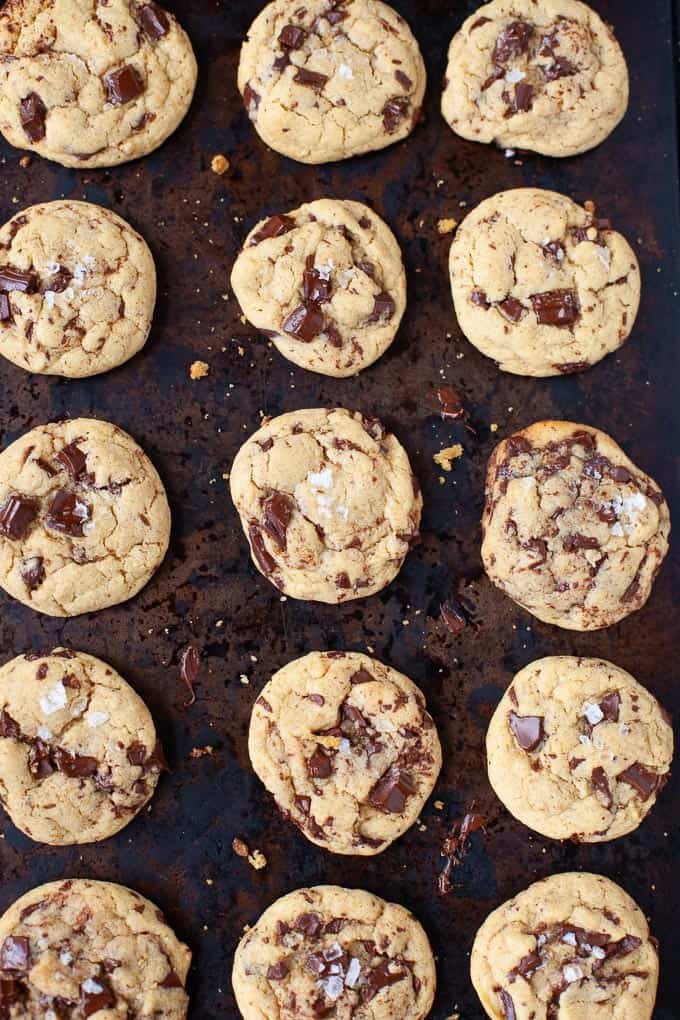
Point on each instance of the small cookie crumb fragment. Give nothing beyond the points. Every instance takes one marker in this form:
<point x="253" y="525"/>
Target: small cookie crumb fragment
<point x="257" y="860"/>
<point x="446" y="457"/>
<point x="446" y="226"/>
<point x="219" y="164"/>
<point x="25" y="162"/>
<point x="239" y="847"/>
<point x="199" y="370"/>
<point x="201" y="752"/>
<point x="493" y="426"/>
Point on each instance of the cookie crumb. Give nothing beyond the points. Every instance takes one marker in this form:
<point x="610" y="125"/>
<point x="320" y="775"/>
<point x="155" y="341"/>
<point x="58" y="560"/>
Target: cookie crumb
<point x="25" y="161"/>
<point x="239" y="847"/>
<point x="446" y="457"/>
<point x="244" y="679"/>
<point x="446" y="226"/>
<point x="493" y="426"/>
<point x="439" y="805"/>
<point x="257" y="860"/>
<point x="199" y="369"/>
<point x="201" y="752"/>
<point x="219" y="164"/>
<point x="326" y="741"/>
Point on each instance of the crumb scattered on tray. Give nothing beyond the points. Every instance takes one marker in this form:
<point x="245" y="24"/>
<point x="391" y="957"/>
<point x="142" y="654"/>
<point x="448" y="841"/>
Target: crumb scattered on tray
<point x="202" y="752"/>
<point x="199" y="369"/>
<point x="493" y="426"/>
<point x="219" y="164"/>
<point x="446" y="226"/>
<point x="446" y="457"/>
<point x="257" y="860"/>
<point x="239" y="847"/>
<point x="25" y="161"/>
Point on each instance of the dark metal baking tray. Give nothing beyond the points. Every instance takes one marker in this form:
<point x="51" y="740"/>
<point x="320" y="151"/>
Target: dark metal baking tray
<point x="179" y="852"/>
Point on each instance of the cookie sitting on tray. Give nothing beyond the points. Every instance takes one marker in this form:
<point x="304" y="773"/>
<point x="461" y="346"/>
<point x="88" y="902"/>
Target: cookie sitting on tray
<point x="544" y="75"/>
<point x="329" y="79"/>
<point x="541" y="285"/>
<point x="328" y="502"/>
<point x="573" y="531"/>
<point x="326" y="283"/>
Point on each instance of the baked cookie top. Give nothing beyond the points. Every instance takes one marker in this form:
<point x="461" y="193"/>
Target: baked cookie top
<point x="545" y="75"/>
<point x="78" y="948"/>
<point x="347" y="748"/>
<point x="578" y="749"/>
<point x="79" y="756"/>
<point x="331" y="78"/>
<point x="84" y="519"/>
<point x="326" y="283"/>
<point x="541" y="285"/>
<point x="77" y="289"/>
<point x="573" y="531"/>
<point x="338" y="952"/>
<point x="574" y="944"/>
<point x="328" y="502"/>
<point x="92" y="84"/>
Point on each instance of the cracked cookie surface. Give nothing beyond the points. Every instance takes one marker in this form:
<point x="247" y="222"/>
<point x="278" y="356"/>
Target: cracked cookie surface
<point x="573" y="531"/>
<point x="328" y="503"/>
<point x="329" y="951"/>
<point x="80" y="289"/>
<point x="578" y="749"/>
<point x="326" y="283"/>
<point x="331" y="78"/>
<point x="544" y="75"/>
<point x="347" y="748"/>
<point x="79" y="756"/>
<point x="80" y="948"/>
<point x="573" y="945"/>
<point x="84" y="519"/>
<point x="541" y="285"/>
<point x="92" y="84"/>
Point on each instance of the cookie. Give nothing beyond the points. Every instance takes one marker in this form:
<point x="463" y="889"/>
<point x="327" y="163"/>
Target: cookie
<point x="84" y="519"/>
<point x="79" y="756"/>
<point x="326" y="283"/>
<point x="328" y="503"/>
<point x="545" y="75"/>
<point x="331" y="78"/>
<point x="541" y="285"/>
<point x="347" y="748"/>
<point x="92" y="85"/>
<point x="77" y="289"/>
<point x="332" y="951"/>
<point x="573" y="945"/>
<point x="573" y="531"/>
<point x="578" y="749"/>
<point x="80" y="948"/>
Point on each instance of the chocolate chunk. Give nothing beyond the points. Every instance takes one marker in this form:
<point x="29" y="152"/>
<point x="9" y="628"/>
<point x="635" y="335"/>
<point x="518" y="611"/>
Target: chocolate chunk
<point x="334" y="338"/>
<point x="278" y="510"/>
<point x="308" y="924"/>
<point x="264" y="559"/>
<point x="394" y="111"/>
<point x="622" y="947"/>
<point x="518" y="444"/>
<point x="277" y="971"/>
<point x="527" y="730"/>
<point x="573" y="542"/>
<point x="171" y="980"/>
<point x="556" y="307"/>
<point x="403" y="79"/>
<point x="507" y="1004"/>
<point x="383" y="308"/>
<point x="123" y="85"/>
<point x="314" y="287"/>
<point x="291" y="37"/>
<point x="451" y="404"/>
<point x="5" y="310"/>
<point x="343" y="581"/>
<point x="553" y="250"/>
<point x="361" y="676"/>
<point x="251" y="101"/>
<point x="96" y="994"/>
<point x="560" y="68"/>
<point x="189" y="665"/>
<point x="478" y="23"/>
<point x="378" y="978"/>
<point x="522" y="98"/>
<point x="319" y="766"/>
<point x="497" y="75"/>
<point x="311" y="79"/>
<point x="11" y="991"/>
<point x="479" y="298"/>
<point x="73" y="460"/>
<point x="154" y="21"/>
<point x="317" y="699"/>
<point x="641" y="779"/>
<point x="540" y="547"/>
<point x="618" y="473"/>
<point x="304" y="323"/>
<point x="512" y="42"/>
<point x="601" y="784"/>
<point x="526" y="966"/>
<point x="33" y="113"/>
<point x="75" y="766"/>
<point x="275" y="226"/>
<point x="572" y="367"/>
<point x="374" y="427"/>
<point x="16" y="279"/>
<point x="392" y="790"/>
<point x="15" y="954"/>
<point x="8" y="727"/>
<point x="453" y="616"/>
<point x="68" y="514"/>
<point x="512" y="309"/>
<point x="136" y="754"/>
<point x="17" y="515"/>
<point x="610" y="705"/>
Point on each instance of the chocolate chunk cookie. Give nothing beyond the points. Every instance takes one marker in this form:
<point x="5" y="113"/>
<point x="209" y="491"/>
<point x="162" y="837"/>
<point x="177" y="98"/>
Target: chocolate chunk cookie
<point x="546" y="75"/>
<point x="81" y="948"/>
<point x="573" y="945"/>
<point x="79" y="756"/>
<point x="92" y="85"/>
<point x="326" y="283"/>
<point x="331" y="78"/>
<point x="541" y="285"/>
<point x="84" y="519"/>
<point x="336" y="952"/>
<point x="573" y="531"/>
<point x="578" y="749"/>
<point x="347" y="748"/>
<point x="328" y="502"/>
<point x="79" y="286"/>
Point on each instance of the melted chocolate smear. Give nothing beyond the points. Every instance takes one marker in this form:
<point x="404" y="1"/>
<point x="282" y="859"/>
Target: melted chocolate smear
<point x="556" y="308"/>
<point x="275" y="226"/>
<point x="455" y="847"/>
<point x="403" y="80"/>
<point x="278" y="510"/>
<point x="16" y="279"/>
<point x="68" y="514"/>
<point x="453" y="616"/>
<point x="528" y="730"/>
<point x="508" y="1004"/>
<point x="574" y="542"/>
<point x="265" y="561"/>
<point x="189" y="665"/>
<point x="644" y="782"/>
<point x="251" y="101"/>
<point x="394" y="111"/>
<point x="16" y="516"/>
<point x="391" y="791"/>
<point x="512" y="42"/>
<point x="311" y="79"/>
<point x="304" y="323"/>
<point x="5" y="310"/>
<point x="451" y="405"/>
<point x="123" y="85"/>
<point x="560" y="68"/>
<point x="378" y="978"/>
<point x="33" y="113"/>
<point x="15" y="954"/>
<point x="291" y="37"/>
<point x="154" y="21"/>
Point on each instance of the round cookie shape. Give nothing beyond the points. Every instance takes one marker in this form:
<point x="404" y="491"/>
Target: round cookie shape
<point x="347" y="748"/>
<point x="328" y="503"/>
<point x="578" y="749"/>
<point x="90" y="948"/>
<point x="331" y="78"/>
<point x="326" y="283"/>
<point x="79" y="756"/>
<point x="84" y="519"/>
<point x="575" y="944"/>
<point x="573" y="531"/>
<point x="541" y="285"/>
<point x="77" y="289"/>
<point x="543" y="75"/>
<point x="344" y="951"/>
<point x="92" y="88"/>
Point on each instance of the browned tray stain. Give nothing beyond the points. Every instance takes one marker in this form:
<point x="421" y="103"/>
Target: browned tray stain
<point x="179" y="853"/>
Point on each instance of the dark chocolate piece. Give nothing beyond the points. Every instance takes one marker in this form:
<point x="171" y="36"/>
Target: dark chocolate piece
<point x="304" y="323"/>
<point x="383" y="308"/>
<point x="274" y="227"/>
<point x="311" y="79"/>
<point x="17" y="515"/>
<point x="68" y="514"/>
<point x="123" y="85"/>
<point x="17" y="279"/>
<point x="556" y="307"/>
<point x="394" y="111"/>
<point x="644" y="782"/>
<point x="98" y="995"/>
<point x="319" y="766"/>
<point x="15" y="954"/>
<point x="278" y="510"/>
<point x="528" y="730"/>
<point x="73" y="460"/>
<point x="512" y="42"/>
<point x="291" y="37"/>
<point x="154" y="21"/>
<point x="189" y="665"/>
<point x="33" y="113"/>
<point x="392" y="790"/>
